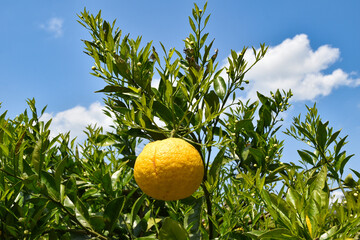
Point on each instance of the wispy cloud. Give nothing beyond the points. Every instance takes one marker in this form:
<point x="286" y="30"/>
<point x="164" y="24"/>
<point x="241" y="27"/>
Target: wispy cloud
<point x="54" y="26"/>
<point x="294" y="65"/>
<point x="77" y="119"/>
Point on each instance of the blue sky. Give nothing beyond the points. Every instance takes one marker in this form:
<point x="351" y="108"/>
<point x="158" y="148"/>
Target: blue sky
<point x="314" y="49"/>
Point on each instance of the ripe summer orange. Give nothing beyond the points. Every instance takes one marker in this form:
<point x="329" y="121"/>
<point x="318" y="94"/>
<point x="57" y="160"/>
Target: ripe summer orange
<point x="169" y="169"/>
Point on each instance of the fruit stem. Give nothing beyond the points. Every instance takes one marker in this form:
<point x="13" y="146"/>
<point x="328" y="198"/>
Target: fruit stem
<point x="209" y="210"/>
<point x="172" y="133"/>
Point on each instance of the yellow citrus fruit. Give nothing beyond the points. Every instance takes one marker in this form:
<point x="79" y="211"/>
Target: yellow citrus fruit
<point x="169" y="169"/>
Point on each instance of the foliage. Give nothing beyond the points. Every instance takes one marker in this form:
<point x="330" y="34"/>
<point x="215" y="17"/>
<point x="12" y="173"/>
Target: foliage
<point x="52" y="188"/>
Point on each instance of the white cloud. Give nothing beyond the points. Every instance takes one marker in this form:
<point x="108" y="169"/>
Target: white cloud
<point x="55" y="26"/>
<point x="294" y="65"/>
<point x="155" y="82"/>
<point x="77" y="119"/>
<point x="336" y="196"/>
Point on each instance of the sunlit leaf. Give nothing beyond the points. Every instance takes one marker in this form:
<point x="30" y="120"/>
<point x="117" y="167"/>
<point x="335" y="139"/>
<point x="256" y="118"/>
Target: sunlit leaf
<point x="321" y="135"/>
<point x="172" y="230"/>
<point x="220" y="87"/>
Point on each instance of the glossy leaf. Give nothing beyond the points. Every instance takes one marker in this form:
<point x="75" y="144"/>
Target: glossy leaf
<point x="52" y="188"/>
<point x="220" y="87"/>
<point x="112" y="212"/>
<point x="319" y="182"/>
<point x="82" y="213"/>
<point x="193" y="218"/>
<point x="136" y="207"/>
<point x="321" y="135"/>
<point x="172" y="230"/>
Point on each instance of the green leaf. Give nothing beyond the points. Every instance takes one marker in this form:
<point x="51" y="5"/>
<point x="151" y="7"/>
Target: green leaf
<point x="172" y="230"/>
<point x="4" y="149"/>
<point x="59" y="170"/>
<point x="349" y="181"/>
<point x="162" y="112"/>
<point x="212" y="100"/>
<point x="115" y="178"/>
<point x="263" y="99"/>
<point x="192" y="24"/>
<point x="96" y="57"/>
<point x="343" y="163"/>
<point x="109" y="63"/>
<point x="97" y="223"/>
<point x="146" y="52"/>
<point x="12" y="230"/>
<point x="203" y="39"/>
<point x="194" y="14"/>
<point x="244" y="125"/>
<point x="265" y="116"/>
<point x="332" y="138"/>
<point x="321" y="135"/>
<point x="245" y="153"/>
<point x="152" y="237"/>
<point x="258" y="155"/>
<point x="306" y="157"/>
<point x="339" y="145"/>
<point x="82" y="213"/>
<point x="36" y="158"/>
<point x="278" y="233"/>
<point x="319" y="182"/>
<point x="192" y="218"/>
<point x="294" y="199"/>
<point x="107" y="184"/>
<point x="356" y="172"/>
<point x="71" y="189"/>
<point x="135" y="209"/>
<point x="122" y="67"/>
<point x="206" y="54"/>
<point x="119" y="90"/>
<point x="234" y="54"/>
<point x="329" y="233"/>
<point x="318" y="201"/>
<point x="52" y="188"/>
<point x="112" y="212"/>
<point x="216" y="165"/>
<point x="278" y="208"/>
<point x="166" y="90"/>
<point x="206" y="20"/>
<point x="220" y="87"/>
<point x="305" y="132"/>
<point x="259" y="181"/>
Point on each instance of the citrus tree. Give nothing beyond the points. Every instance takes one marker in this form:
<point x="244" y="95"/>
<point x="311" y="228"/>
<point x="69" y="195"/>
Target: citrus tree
<point x="52" y="188"/>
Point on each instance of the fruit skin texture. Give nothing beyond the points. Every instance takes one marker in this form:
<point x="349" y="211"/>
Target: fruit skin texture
<point x="169" y="169"/>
